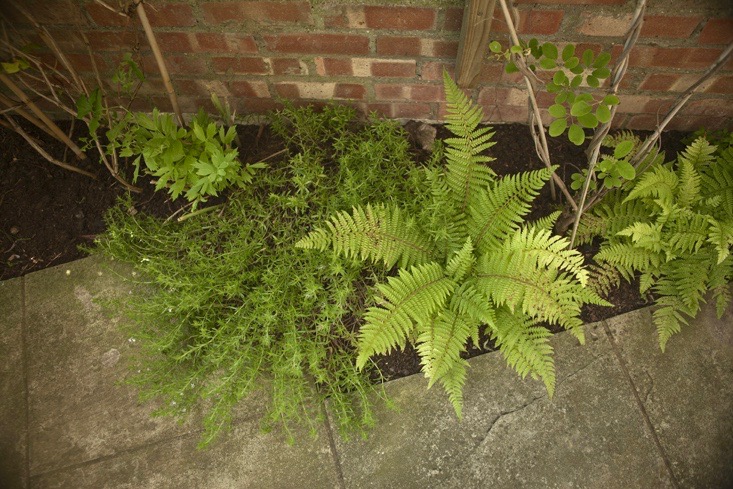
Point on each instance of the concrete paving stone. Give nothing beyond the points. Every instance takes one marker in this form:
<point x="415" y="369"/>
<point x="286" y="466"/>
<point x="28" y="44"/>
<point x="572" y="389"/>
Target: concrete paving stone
<point x="13" y="409"/>
<point x="242" y="459"/>
<point x="687" y="391"/>
<point x="591" y="434"/>
<point x="77" y="357"/>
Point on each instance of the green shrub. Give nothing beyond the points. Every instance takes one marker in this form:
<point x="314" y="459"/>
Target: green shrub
<point x="232" y="309"/>
<point x="674" y="228"/>
<point x="466" y="260"/>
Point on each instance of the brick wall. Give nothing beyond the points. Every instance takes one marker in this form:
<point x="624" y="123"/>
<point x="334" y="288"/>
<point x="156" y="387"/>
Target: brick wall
<point x="388" y="56"/>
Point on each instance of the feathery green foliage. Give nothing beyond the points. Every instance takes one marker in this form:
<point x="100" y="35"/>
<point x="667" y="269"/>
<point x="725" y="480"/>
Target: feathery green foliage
<point x="230" y="309"/>
<point x="674" y="227"/>
<point x="466" y="262"/>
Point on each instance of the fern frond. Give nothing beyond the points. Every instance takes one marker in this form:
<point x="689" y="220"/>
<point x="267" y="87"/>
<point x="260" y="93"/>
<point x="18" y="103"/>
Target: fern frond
<point x="719" y="282"/>
<point x="453" y="382"/>
<point x="717" y="181"/>
<point x="461" y="263"/>
<point x="644" y="235"/>
<point x="378" y="233"/>
<point x="668" y="320"/>
<point x="687" y="234"/>
<point x="546" y="250"/>
<point x="688" y="190"/>
<point x="525" y="347"/>
<point x="469" y="301"/>
<point x="497" y="212"/>
<point x="603" y="278"/>
<point x="628" y="258"/>
<point x="441" y="342"/>
<point x="609" y="218"/>
<point x="465" y="172"/>
<point x="546" y="223"/>
<point x="409" y="299"/>
<point x="720" y="235"/>
<point x="687" y="278"/>
<point x="659" y="183"/>
<point x="698" y="154"/>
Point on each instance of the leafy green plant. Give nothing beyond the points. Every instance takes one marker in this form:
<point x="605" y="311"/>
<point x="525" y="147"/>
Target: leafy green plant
<point x="230" y="310"/>
<point x="465" y="261"/>
<point x="574" y="109"/>
<point x="673" y="228"/>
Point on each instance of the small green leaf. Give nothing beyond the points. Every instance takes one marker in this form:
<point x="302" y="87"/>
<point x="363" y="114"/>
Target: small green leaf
<point x="592" y="82"/>
<point x="572" y="63"/>
<point x="552" y="87"/>
<point x="603" y="113"/>
<point x="511" y="67"/>
<point x="495" y="47"/>
<point x="602" y="60"/>
<point x="559" y="78"/>
<point x="557" y="111"/>
<point x="198" y="131"/>
<point x="626" y="170"/>
<point x="587" y="57"/>
<point x="579" y="108"/>
<point x="561" y="98"/>
<point x="623" y="149"/>
<point x="588" y="120"/>
<point x="549" y="50"/>
<point x="601" y="73"/>
<point x="557" y="127"/>
<point x="576" y="81"/>
<point x="610" y="100"/>
<point x="516" y="49"/>
<point x="548" y="63"/>
<point x="568" y="52"/>
<point x="576" y="135"/>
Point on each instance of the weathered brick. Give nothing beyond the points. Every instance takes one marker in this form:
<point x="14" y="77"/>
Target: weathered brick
<point x="659" y="81"/>
<point x="318" y="43"/>
<point x="717" y="31"/>
<point x="416" y="92"/>
<point x="174" y="42"/>
<point x="349" y="91"/>
<point x="722" y="84"/>
<point x="240" y="65"/>
<point x="333" y="66"/>
<point x="349" y="16"/>
<point x="541" y="22"/>
<point x="45" y="12"/>
<point x="393" y="69"/>
<point x="453" y="19"/>
<point x="241" y="88"/>
<point x="433" y="70"/>
<point x="604" y="25"/>
<point x="402" y="18"/>
<point x="120" y="41"/>
<point x="411" y="111"/>
<point x="667" y="26"/>
<point x="83" y="63"/>
<point x="287" y="90"/>
<point x="265" y="12"/>
<point x="170" y="15"/>
<point x="712" y="107"/>
<point x="288" y="66"/>
<point x="677" y="57"/>
<point x="102" y="16"/>
<point x="177" y="64"/>
<point x="225" y="43"/>
<point x="574" y="2"/>
<point x="399" y="46"/>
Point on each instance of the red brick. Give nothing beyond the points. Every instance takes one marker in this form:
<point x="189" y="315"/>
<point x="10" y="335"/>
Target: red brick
<point x="170" y="15"/>
<point x="240" y="65"/>
<point x="174" y="42"/>
<point x="225" y="43"/>
<point x="318" y="43"/>
<point x="442" y="49"/>
<point x="511" y="113"/>
<point x="723" y="84"/>
<point x="659" y="81"/>
<point x="427" y="93"/>
<point x="176" y="65"/>
<point x="240" y="88"/>
<point x="45" y="12"/>
<point x="115" y="40"/>
<point x="255" y="105"/>
<point x="402" y="18"/>
<point x="685" y="58"/>
<point x="349" y="91"/>
<point x="102" y="16"/>
<point x="389" y="92"/>
<point x="711" y="107"/>
<point x="398" y="46"/>
<point x="83" y="63"/>
<point x="717" y="31"/>
<point x="574" y="2"/>
<point x="490" y="73"/>
<point x="287" y="90"/>
<point x="667" y="26"/>
<point x="287" y="66"/>
<point x="393" y="70"/>
<point x="411" y="111"/>
<point x="433" y="71"/>
<point x="266" y="12"/>
<point x="541" y="22"/>
<point x="333" y="67"/>
<point x="453" y="19"/>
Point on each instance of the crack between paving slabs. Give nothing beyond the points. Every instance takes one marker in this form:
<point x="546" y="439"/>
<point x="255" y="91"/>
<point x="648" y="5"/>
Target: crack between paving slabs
<point x="332" y="445"/>
<point x="640" y="404"/>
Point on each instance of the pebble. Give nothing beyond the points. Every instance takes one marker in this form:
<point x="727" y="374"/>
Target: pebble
<point x="14" y="230"/>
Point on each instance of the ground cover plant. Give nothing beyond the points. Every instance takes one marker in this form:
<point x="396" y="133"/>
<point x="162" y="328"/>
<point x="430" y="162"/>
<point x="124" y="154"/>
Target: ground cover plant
<point x="231" y="308"/>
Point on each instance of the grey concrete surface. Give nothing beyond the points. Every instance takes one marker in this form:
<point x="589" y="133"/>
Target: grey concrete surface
<point x="687" y="392"/>
<point x="623" y="415"/>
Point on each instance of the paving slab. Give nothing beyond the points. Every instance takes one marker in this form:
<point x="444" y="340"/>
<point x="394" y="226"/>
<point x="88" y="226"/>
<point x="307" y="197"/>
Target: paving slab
<point x="686" y="391"/>
<point x="13" y="408"/>
<point x="77" y="357"/>
<point x="242" y="459"/>
<point x="591" y="434"/>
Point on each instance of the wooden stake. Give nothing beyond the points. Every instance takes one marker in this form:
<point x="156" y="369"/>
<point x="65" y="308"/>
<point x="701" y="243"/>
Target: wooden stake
<point x="474" y="41"/>
<point x="160" y="61"/>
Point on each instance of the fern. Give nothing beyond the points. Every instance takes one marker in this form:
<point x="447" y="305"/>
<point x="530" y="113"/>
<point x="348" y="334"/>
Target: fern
<point x="677" y="236"/>
<point x="471" y="263"/>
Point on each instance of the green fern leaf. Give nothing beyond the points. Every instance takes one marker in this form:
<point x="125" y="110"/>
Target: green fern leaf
<point x="408" y="300"/>
<point x="461" y="263"/>
<point x="717" y="181"/>
<point x="453" y="382"/>
<point x="378" y="233"/>
<point x="659" y="183"/>
<point x="628" y="258"/>
<point x="525" y="347"/>
<point x="499" y="211"/>
<point x="548" y="251"/>
<point x="610" y="217"/>
<point x="441" y="342"/>
<point x="467" y="300"/>
<point x="546" y="223"/>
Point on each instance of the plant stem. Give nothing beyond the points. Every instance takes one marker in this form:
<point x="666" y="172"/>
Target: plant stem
<point x="12" y="106"/>
<point x="160" y="61"/>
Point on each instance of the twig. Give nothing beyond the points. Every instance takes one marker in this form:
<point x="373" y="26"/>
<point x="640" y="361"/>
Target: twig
<point x="160" y="61"/>
<point x="43" y="153"/>
<point x="43" y="117"/>
<point x="17" y="107"/>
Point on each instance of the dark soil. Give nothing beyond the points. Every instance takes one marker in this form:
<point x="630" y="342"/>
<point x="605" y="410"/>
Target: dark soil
<point x="47" y="213"/>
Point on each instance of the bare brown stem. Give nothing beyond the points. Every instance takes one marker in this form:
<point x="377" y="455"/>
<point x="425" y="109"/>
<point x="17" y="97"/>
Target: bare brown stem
<point x="160" y="61"/>
<point x="17" y="108"/>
